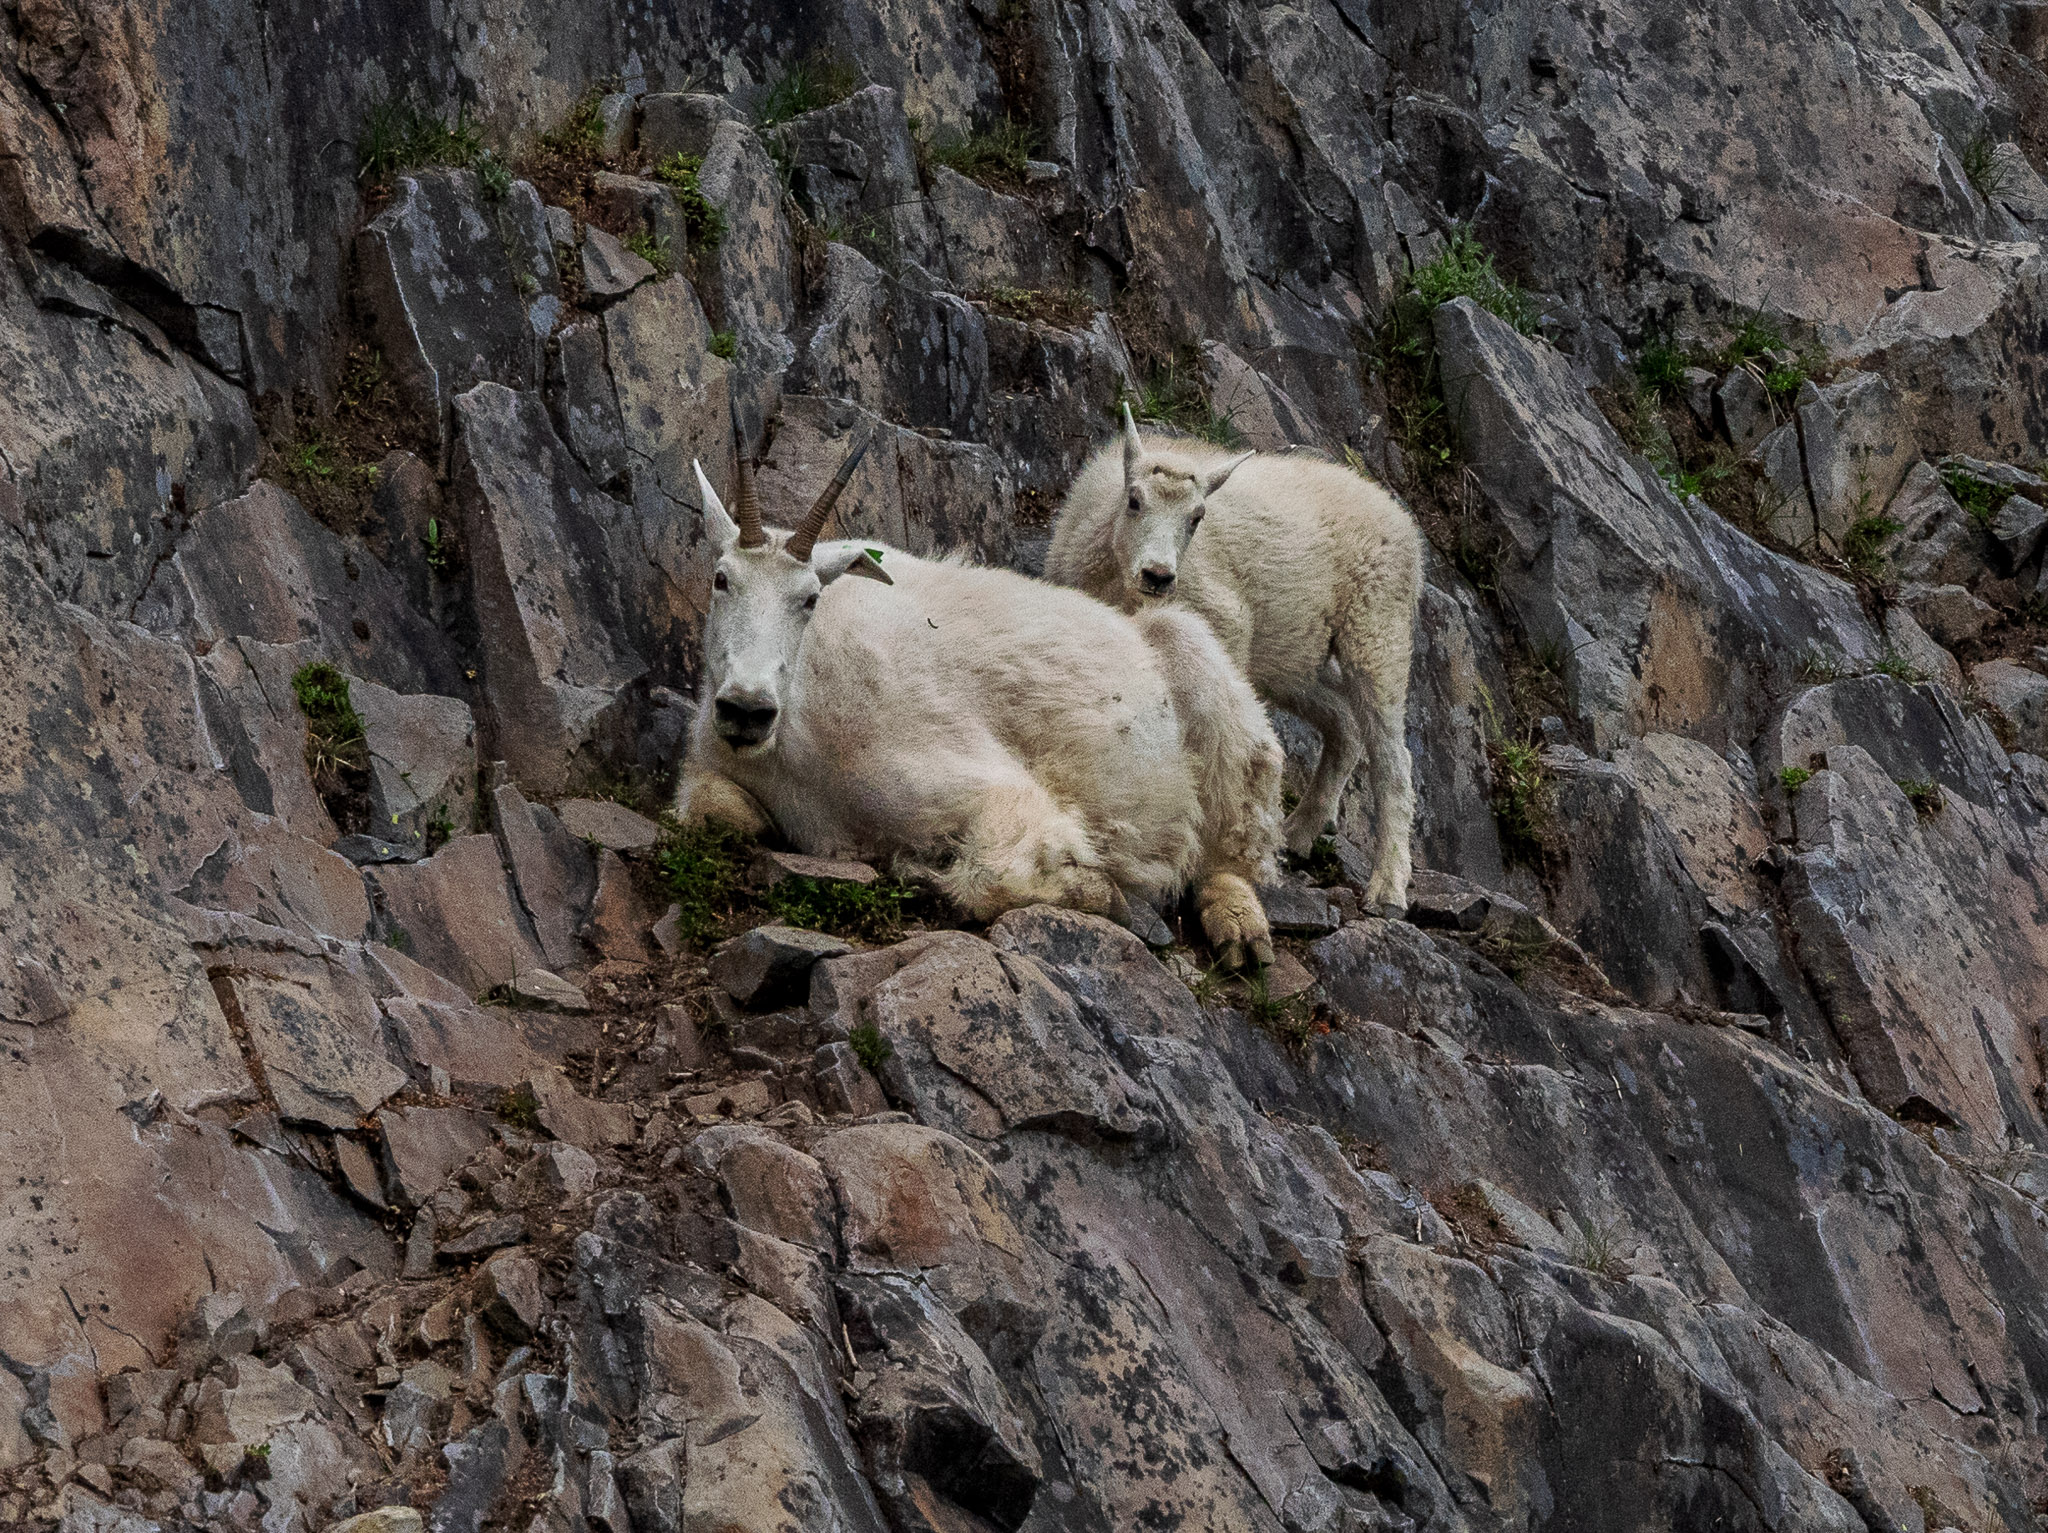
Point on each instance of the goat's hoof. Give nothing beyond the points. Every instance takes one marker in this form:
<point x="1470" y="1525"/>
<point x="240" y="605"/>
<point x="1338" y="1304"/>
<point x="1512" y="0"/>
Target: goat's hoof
<point x="1231" y="956"/>
<point x="1389" y="910"/>
<point x="1262" y="952"/>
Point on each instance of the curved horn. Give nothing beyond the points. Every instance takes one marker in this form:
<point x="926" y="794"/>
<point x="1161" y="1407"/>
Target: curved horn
<point x="748" y="510"/>
<point x="806" y="534"/>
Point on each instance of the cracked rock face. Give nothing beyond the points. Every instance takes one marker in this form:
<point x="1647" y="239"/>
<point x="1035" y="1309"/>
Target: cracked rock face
<point x="388" y="1142"/>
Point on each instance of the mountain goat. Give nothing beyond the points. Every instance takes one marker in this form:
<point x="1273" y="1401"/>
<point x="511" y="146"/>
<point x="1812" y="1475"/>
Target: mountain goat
<point x="1309" y="575"/>
<point x="1011" y="740"/>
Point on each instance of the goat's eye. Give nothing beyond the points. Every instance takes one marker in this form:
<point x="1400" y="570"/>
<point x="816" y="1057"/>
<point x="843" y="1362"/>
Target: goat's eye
<point x="810" y="601"/>
<point x="718" y="581"/>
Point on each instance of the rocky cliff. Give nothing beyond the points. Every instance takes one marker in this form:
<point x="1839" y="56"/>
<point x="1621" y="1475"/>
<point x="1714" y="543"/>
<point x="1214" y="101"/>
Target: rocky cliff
<point x="398" y="1124"/>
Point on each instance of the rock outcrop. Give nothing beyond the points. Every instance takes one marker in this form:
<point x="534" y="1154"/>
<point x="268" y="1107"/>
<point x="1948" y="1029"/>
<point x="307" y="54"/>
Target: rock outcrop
<point x="399" y="1130"/>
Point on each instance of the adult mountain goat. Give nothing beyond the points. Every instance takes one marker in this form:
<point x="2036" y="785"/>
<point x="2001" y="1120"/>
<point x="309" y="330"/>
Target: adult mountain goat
<point x="1013" y="741"/>
<point x="1308" y="573"/>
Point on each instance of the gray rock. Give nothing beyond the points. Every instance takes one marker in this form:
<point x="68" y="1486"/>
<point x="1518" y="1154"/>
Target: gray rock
<point x="425" y="1146"/>
<point x="854" y="167"/>
<point x="489" y="1235"/>
<point x="458" y="914"/>
<point x="844" y="1084"/>
<point x="423" y="768"/>
<point x="770" y="965"/>
<point x="2020" y="695"/>
<point x="508" y="1295"/>
<point x="1439" y="899"/>
<point x="1743" y="409"/>
<point x="439" y="286"/>
<point x="610" y="270"/>
<point x="1938" y="543"/>
<point x="2018" y="527"/>
<point x="549" y="992"/>
<point x="616" y="113"/>
<point x="681" y="122"/>
<point x="1536" y="444"/>
<point x="536" y="534"/>
<point x="1951" y="614"/>
<point x="638" y="205"/>
<point x="607" y="823"/>
<point x="555" y="873"/>
<point x="1297" y="911"/>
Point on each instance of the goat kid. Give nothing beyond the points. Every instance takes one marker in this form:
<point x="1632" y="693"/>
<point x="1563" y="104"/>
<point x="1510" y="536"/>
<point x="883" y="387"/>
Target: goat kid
<point x="1309" y="575"/>
<point x="1012" y="741"/>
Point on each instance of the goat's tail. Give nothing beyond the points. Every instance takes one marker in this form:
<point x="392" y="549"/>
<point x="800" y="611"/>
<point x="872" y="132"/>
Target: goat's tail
<point x="1229" y="742"/>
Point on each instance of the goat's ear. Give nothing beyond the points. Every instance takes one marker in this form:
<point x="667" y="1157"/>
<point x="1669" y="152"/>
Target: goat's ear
<point x="1134" y="446"/>
<point x="1213" y="480"/>
<point x="831" y="560"/>
<point x="718" y="523"/>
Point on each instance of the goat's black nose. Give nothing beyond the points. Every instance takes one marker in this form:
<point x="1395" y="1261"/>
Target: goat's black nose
<point x="743" y="720"/>
<point x="1156" y="580"/>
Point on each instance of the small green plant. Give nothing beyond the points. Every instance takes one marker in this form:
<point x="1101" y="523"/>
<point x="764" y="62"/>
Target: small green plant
<point x="1782" y="383"/>
<point x="1069" y="308"/>
<point x="1752" y="339"/>
<point x="494" y="177"/>
<point x="397" y="138"/>
<point x="398" y="939"/>
<point x="1793" y="778"/>
<point x="580" y="135"/>
<point x="702" y="219"/>
<point x="1661" y="367"/>
<point x="520" y="1108"/>
<point x="874" y="911"/>
<point x="1291" y="1020"/>
<point x="1597" y="1247"/>
<point x="1893" y="663"/>
<point x="703" y="868"/>
<point x="1819" y="666"/>
<point x="1465" y="269"/>
<point x="1979" y="497"/>
<point x="995" y="158"/>
<point x="1924" y="794"/>
<point x="1863" y="544"/>
<point x="1208" y="987"/>
<point x="1984" y="169"/>
<point x="651" y="249"/>
<point x="814" y="81"/>
<point x="870" y="1047"/>
<point x="439" y="829"/>
<point x="1521" y="799"/>
<point x="724" y="343"/>
<point x="437" y="546"/>
<point x="336" y="742"/>
<point x="1173" y="395"/>
<point x="1514" y="950"/>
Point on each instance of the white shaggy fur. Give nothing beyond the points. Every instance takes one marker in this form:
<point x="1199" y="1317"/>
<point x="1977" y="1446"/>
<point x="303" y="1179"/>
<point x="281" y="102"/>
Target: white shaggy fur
<point x="1014" y="741"/>
<point x="1309" y="575"/>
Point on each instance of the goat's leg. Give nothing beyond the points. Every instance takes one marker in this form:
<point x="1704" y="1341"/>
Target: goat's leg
<point x="1376" y="673"/>
<point x="702" y="797"/>
<point x="1019" y="847"/>
<point x="1234" y="921"/>
<point x="1330" y="713"/>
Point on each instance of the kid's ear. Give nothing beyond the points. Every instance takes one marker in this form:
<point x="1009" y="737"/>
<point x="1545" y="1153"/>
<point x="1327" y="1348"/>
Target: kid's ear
<point x="718" y="523"/>
<point x="831" y="560"/>
<point x="1214" y="480"/>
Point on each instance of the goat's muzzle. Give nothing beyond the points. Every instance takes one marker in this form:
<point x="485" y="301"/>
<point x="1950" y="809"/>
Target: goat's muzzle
<point x="742" y="722"/>
<point x="1155" y="580"/>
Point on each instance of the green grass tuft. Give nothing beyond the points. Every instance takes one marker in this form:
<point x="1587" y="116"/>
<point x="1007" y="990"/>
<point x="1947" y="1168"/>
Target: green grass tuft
<point x="1863" y="544"/>
<point x="1661" y="367"/>
<point x="580" y="135"/>
<point x="1981" y="498"/>
<point x="1793" y="778"/>
<point x="336" y="741"/>
<point x="704" y="870"/>
<point x="994" y="158"/>
<point x="1990" y="176"/>
<point x="704" y="220"/>
<point x="1521" y="800"/>
<point x="396" y="138"/>
<point x="817" y="80"/>
<point x="870" y="1047"/>
<point x="651" y="249"/>
<point x="1465" y="269"/>
<point x="1174" y="395"/>
<point x="1924" y="794"/>
<point x="874" y="911"/>
<point x="724" y="343"/>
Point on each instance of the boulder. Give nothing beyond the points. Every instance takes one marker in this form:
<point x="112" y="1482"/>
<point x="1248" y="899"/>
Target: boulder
<point x="771" y="965"/>
<point x="554" y="656"/>
<point x="439" y="285"/>
<point x="1576" y="511"/>
<point x="607" y="824"/>
<point x="423" y="767"/>
<point x="458" y="915"/>
<point x="1950" y="614"/>
<point x="610" y="270"/>
<point x="2020" y="696"/>
<point x="854" y="167"/>
<point x="554" y="871"/>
